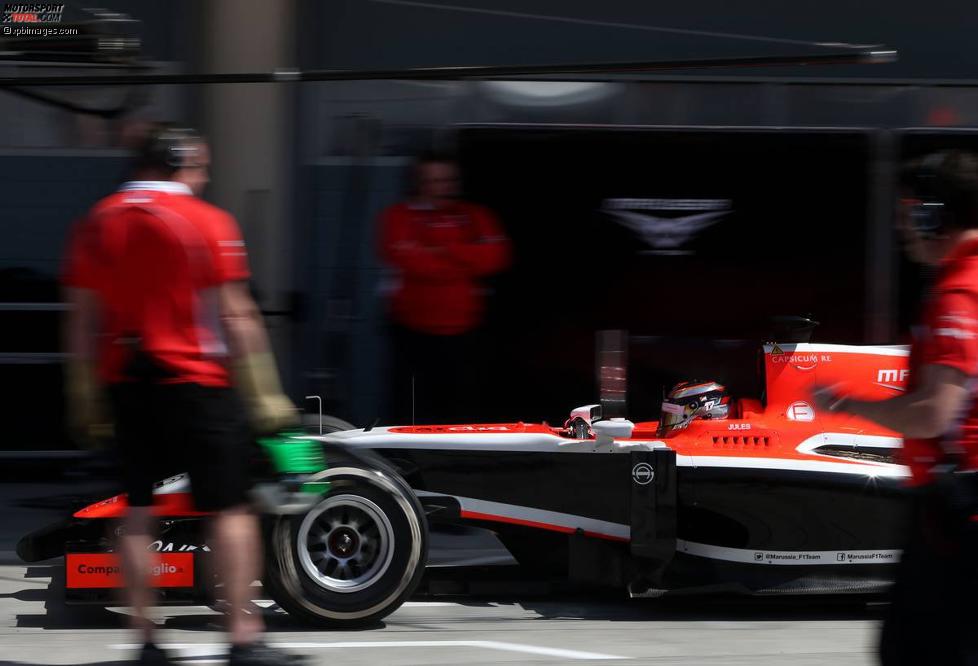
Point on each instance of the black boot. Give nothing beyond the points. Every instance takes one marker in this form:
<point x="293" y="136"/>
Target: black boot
<point x="259" y="654"/>
<point x="152" y="655"/>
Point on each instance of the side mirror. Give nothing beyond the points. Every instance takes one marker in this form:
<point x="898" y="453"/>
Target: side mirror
<point x="588" y="413"/>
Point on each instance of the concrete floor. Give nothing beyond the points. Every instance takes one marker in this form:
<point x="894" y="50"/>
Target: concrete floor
<point x="520" y="628"/>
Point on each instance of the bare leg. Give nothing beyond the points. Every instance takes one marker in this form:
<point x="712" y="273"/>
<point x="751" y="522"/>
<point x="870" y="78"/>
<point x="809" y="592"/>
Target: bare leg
<point x="137" y="562"/>
<point x="237" y="553"/>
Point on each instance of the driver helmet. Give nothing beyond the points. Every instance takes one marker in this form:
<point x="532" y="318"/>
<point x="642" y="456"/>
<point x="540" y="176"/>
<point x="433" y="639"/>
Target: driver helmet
<point x="692" y="400"/>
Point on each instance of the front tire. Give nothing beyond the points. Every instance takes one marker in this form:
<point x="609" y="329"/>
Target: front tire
<point x="356" y="556"/>
<point x="311" y="423"/>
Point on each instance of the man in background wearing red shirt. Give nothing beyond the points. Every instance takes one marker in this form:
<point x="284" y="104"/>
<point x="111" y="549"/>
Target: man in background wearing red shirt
<point x="934" y="606"/>
<point x="157" y="283"/>
<point x="443" y="249"/>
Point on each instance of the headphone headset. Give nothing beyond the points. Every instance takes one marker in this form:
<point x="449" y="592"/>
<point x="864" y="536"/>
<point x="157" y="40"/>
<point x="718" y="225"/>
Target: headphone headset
<point x="171" y="148"/>
<point x="927" y="211"/>
<point x="938" y="191"/>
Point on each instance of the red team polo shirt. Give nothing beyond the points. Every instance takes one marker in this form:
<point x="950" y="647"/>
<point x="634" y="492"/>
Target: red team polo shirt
<point x="948" y="336"/>
<point x="154" y="254"/>
<point x="442" y="254"/>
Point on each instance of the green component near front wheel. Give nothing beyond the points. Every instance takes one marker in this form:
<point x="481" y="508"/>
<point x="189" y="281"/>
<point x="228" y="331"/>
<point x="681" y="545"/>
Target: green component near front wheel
<point x="292" y="454"/>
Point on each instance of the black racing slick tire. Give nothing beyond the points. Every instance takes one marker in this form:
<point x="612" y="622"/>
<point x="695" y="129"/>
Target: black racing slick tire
<point x="311" y="424"/>
<point x="356" y="556"/>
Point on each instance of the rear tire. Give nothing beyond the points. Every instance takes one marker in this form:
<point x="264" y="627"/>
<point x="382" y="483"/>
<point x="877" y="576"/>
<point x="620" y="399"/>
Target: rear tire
<point x="356" y="556"/>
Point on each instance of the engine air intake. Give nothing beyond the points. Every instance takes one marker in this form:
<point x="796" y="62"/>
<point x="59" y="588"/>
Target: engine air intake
<point x="734" y="441"/>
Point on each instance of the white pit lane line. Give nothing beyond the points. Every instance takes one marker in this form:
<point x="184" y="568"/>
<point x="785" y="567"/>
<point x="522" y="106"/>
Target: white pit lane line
<point x="268" y="603"/>
<point x="199" y="652"/>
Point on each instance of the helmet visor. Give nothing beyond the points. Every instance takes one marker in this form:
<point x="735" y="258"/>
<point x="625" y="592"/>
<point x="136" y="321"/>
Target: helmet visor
<point x="674" y="416"/>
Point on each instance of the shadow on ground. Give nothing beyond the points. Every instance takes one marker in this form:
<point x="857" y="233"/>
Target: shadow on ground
<point x="542" y="602"/>
<point x="717" y="609"/>
<point x="56" y="614"/>
<point x="89" y="663"/>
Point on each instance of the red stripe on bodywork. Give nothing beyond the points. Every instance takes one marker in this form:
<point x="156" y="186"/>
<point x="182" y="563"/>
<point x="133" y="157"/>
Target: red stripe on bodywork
<point x="475" y="515"/>
<point x="170" y="504"/>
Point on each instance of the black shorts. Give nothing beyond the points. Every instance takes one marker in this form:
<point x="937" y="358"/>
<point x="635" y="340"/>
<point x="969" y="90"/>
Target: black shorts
<point x="930" y="619"/>
<point x="163" y="429"/>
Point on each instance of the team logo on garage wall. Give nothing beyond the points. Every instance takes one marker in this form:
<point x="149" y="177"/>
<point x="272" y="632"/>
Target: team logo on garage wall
<point x="643" y="474"/>
<point x="675" y="222"/>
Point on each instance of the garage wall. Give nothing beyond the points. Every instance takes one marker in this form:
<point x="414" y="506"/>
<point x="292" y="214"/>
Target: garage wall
<point x="42" y="192"/>
<point x="341" y="314"/>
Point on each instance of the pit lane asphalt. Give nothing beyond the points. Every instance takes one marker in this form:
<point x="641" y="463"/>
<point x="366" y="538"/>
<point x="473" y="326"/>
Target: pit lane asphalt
<point x="496" y="627"/>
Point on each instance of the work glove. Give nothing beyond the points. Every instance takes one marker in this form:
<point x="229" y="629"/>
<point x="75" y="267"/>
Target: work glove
<point x="89" y="422"/>
<point x="269" y="409"/>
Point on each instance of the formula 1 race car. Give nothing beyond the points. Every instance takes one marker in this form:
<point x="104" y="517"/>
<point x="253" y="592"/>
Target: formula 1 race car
<point x="760" y="495"/>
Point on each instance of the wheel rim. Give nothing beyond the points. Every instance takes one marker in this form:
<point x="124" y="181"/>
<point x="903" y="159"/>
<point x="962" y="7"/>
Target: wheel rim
<point x="345" y="543"/>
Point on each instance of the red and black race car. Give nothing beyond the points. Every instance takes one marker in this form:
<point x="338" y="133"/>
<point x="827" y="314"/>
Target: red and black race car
<point x="757" y="495"/>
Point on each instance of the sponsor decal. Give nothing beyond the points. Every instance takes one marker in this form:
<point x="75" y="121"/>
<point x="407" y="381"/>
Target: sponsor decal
<point x="738" y="426"/>
<point x="804" y="362"/>
<point x="678" y="220"/>
<point x="788" y="557"/>
<point x="868" y="556"/>
<point x="102" y="570"/>
<point x="891" y="378"/>
<point x="800" y="411"/>
<point x="643" y="474"/>
<point x="159" y="547"/>
<point x="892" y="375"/>
<point x="795" y="358"/>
